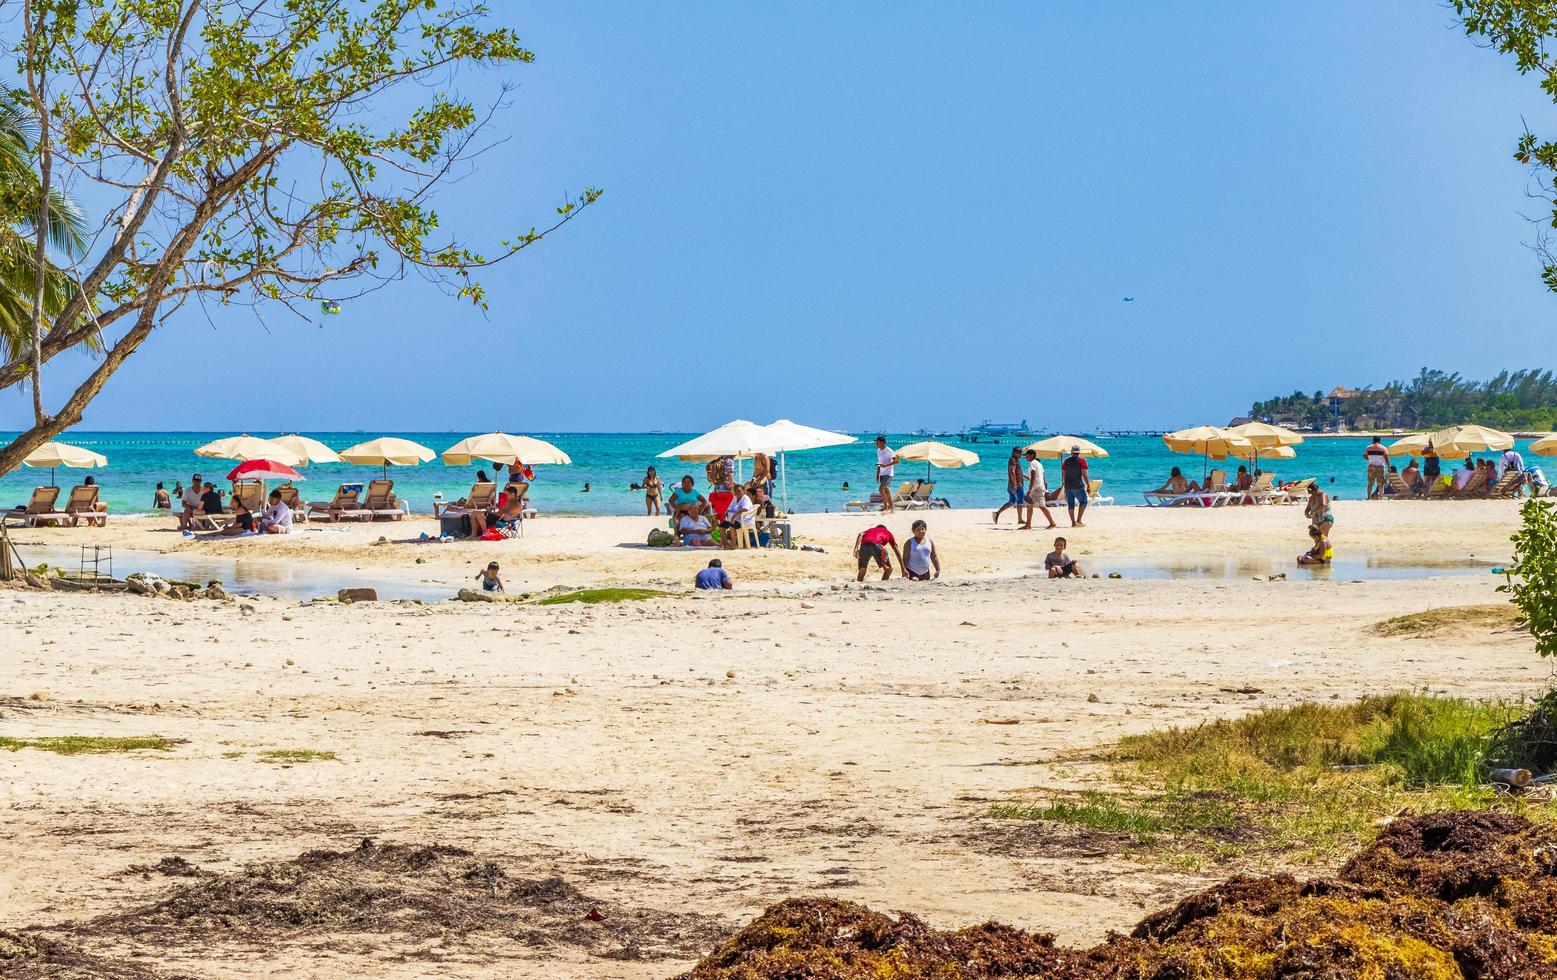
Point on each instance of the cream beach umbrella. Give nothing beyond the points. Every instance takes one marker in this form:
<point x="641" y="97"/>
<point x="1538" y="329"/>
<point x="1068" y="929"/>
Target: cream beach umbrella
<point x="1254" y="454"/>
<point x="500" y="447"/>
<point x="794" y="437"/>
<point x="1471" y="439"/>
<point x="386" y="452"/>
<point x="310" y="450"/>
<point x="739" y="439"/>
<point x="1417" y="444"/>
<point x="55" y="454"/>
<point x="1057" y="447"/>
<point x="1206" y="441"/>
<point x="246" y="447"/>
<point x="1546" y="445"/>
<point x="937" y="454"/>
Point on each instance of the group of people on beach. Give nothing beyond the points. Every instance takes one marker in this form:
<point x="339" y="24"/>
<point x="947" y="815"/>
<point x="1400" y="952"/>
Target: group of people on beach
<point x="1419" y="478"/>
<point x="202" y="499"/>
<point x="734" y="507"/>
<point x="1027" y="488"/>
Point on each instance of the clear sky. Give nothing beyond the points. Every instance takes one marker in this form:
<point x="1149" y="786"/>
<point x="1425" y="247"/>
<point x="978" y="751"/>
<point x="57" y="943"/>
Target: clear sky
<point x="874" y="215"/>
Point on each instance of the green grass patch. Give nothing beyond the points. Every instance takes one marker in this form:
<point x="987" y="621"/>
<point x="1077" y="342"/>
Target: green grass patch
<point x="88" y="744"/>
<point x="593" y="596"/>
<point x="1309" y="780"/>
<point x="290" y="757"/>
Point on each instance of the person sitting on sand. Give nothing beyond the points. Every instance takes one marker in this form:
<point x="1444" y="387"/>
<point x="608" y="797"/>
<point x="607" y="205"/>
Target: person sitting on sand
<point x="189" y="498"/>
<point x="1320" y="553"/>
<point x="872" y="544"/>
<point x="921" y="562"/>
<point x="685" y="500"/>
<point x="695" y="531"/>
<point x="1412" y="475"/>
<point x="276" y="518"/>
<point x="1059" y="564"/>
<point x="713" y="577"/>
<point x="160" y="499"/>
<point x="491" y="581"/>
<point x="242" y="519"/>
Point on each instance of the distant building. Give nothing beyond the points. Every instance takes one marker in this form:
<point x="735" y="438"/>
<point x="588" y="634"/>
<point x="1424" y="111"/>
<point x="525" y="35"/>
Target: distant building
<point x="1337" y="396"/>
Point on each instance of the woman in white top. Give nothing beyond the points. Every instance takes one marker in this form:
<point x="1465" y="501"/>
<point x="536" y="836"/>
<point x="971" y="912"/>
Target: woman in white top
<point x="921" y="563"/>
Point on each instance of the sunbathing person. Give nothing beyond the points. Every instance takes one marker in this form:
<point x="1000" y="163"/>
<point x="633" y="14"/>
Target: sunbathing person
<point x="1412" y="475"/>
<point x="1242" y="481"/>
<point x="1176" y="484"/>
<point x="101" y="508"/>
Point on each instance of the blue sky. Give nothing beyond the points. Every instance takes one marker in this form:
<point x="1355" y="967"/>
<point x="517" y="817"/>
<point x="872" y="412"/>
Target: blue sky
<point x="900" y="215"/>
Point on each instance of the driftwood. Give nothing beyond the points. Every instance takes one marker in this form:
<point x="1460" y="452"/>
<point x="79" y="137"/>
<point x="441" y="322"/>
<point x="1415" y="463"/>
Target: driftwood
<point x="1517" y="778"/>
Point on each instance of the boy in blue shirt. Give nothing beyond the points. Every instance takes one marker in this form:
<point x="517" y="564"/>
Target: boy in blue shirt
<point x="714" y="577"/>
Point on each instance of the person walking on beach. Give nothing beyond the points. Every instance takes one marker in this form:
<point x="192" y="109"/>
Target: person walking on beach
<point x="872" y="544"/>
<point x="651" y="493"/>
<point x="1378" y="467"/>
<point x="1073" y="476"/>
<point x="1014" y="481"/>
<point x="886" y="461"/>
<point x="1037" y="493"/>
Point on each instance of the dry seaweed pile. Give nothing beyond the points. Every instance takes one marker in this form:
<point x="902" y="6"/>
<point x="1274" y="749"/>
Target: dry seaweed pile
<point x="26" y="957"/>
<point x="1443" y="896"/>
<point x="411" y="891"/>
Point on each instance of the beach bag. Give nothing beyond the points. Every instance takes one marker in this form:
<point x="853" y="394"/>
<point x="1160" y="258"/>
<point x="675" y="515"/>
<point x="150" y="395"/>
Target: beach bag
<point x="492" y="534"/>
<point x="661" y="538"/>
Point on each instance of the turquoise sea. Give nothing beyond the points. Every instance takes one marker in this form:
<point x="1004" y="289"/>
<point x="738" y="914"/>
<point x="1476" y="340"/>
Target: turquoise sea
<point x="610" y="462"/>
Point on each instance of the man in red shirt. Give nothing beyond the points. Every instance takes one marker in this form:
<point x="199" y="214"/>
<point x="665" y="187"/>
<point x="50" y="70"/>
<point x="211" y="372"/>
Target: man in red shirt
<point x="1073" y="473"/>
<point x="873" y="543"/>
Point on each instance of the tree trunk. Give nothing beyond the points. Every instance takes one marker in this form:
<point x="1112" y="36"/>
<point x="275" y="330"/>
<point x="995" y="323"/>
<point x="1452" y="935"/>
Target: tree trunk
<point x="35" y="86"/>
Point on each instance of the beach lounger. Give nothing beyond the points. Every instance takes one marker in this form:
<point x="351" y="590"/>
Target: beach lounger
<point x="1476" y="486"/>
<point x="1511" y="484"/>
<point x="39" y="510"/>
<point x="1397" y="483"/>
<point x="380" y="501"/>
<point x="917" y="498"/>
<point x="1439" y="489"/>
<point x="251" y="492"/>
<point x="83" y="506"/>
<point x="1296" y="493"/>
<point x="1095" y="493"/>
<point x="294" y="501"/>
<point x="344" y="506"/>
<point x="873" y="503"/>
<point x="1195" y="498"/>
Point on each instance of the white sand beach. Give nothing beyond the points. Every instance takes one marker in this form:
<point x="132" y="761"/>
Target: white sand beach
<point x="708" y="754"/>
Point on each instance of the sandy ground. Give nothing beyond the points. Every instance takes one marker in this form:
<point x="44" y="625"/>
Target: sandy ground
<point x="701" y="754"/>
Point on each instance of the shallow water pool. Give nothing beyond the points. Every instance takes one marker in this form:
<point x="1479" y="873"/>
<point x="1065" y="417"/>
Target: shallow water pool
<point x="1342" y="569"/>
<point x="246" y="576"/>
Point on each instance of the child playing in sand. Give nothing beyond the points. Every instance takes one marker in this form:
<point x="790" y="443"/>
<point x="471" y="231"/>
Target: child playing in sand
<point x="1320" y="553"/>
<point x="1059" y="564"/>
<point x="490" y="580"/>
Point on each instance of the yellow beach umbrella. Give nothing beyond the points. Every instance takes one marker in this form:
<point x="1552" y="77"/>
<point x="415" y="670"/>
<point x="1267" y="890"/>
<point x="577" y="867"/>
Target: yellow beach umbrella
<point x="1206" y="441"/>
<point x="1471" y="439"/>
<point x="1263" y="435"/>
<point x="937" y="454"/>
<point x="386" y="452"/>
<point x="311" y="450"/>
<point x="1253" y="453"/>
<point x="1546" y="445"/>
<point x="1055" y="447"/>
<point x="54" y="454"/>
<point x="500" y="447"/>
<point x="246" y="447"/>
<point x="1417" y="444"/>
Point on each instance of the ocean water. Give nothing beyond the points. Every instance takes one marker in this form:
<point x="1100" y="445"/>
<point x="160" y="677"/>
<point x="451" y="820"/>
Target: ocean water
<point x="610" y="462"/>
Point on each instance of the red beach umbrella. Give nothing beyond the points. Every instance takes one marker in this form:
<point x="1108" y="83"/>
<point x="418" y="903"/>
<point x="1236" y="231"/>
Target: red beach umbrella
<point x="263" y="469"/>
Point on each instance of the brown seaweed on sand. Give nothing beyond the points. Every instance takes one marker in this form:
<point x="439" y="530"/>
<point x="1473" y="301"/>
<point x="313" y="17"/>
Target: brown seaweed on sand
<point x="1444" y="896"/>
